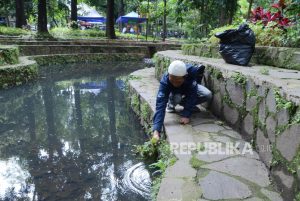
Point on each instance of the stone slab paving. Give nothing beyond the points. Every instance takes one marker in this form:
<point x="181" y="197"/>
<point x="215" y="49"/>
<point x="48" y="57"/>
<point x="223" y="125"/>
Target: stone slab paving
<point x="236" y="174"/>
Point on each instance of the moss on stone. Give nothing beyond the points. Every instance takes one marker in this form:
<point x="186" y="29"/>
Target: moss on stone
<point x="226" y="99"/>
<point x="135" y="102"/>
<point x="146" y="112"/>
<point x="15" y="75"/>
<point x="253" y="93"/>
<point x="64" y="59"/>
<point x="239" y="78"/>
<point x="296" y="118"/>
<point x="282" y="103"/>
<point x="278" y="159"/>
<point x="9" y="55"/>
<point x="196" y="163"/>
<point x="216" y="73"/>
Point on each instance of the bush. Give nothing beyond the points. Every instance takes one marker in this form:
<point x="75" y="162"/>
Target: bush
<point x="132" y="36"/>
<point x="66" y="33"/>
<point x="13" y="31"/>
<point x="266" y="36"/>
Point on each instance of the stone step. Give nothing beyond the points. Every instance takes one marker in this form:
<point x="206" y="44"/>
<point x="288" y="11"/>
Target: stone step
<point x="55" y="59"/>
<point x="202" y="175"/>
<point x="88" y="42"/>
<point x="30" y="50"/>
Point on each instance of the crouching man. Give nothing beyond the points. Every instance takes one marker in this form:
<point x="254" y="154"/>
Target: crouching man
<point x="179" y="86"/>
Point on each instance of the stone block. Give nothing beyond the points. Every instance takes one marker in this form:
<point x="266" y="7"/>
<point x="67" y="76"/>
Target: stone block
<point x="248" y="126"/>
<point x="250" y="85"/>
<point x="250" y="169"/>
<point x="231" y="115"/>
<point x="216" y="105"/>
<point x="283" y="117"/>
<point x="271" y="126"/>
<point x="274" y="196"/>
<point x="287" y="180"/>
<point x="223" y="88"/>
<point x="271" y="102"/>
<point x="218" y="186"/>
<point x="264" y="148"/>
<point x="289" y="141"/>
<point x="235" y="92"/>
<point x="251" y="103"/>
<point x="262" y="112"/>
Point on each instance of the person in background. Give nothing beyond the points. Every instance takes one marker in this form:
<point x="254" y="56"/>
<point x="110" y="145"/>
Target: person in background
<point x="131" y="30"/>
<point x="179" y="86"/>
<point x="124" y="30"/>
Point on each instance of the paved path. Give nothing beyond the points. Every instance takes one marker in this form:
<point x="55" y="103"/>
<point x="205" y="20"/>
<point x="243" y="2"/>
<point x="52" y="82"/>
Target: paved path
<point x="200" y="174"/>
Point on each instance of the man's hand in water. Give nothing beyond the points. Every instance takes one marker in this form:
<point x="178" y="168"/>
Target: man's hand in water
<point x="184" y="120"/>
<point x="156" y="135"/>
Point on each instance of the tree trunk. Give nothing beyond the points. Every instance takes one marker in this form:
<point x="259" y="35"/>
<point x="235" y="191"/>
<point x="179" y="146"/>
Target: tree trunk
<point x="147" y="22"/>
<point x="121" y="13"/>
<point x="42" y="16"/>
<point x="165" y="21"/>
<point x="74" y="10"/>
<point x="122" y="8"/>
<point x="20" y="14"/>
<point x="249" y="9"/>
<point x="232" y="6"/>
<point x="110" y="29"/>
<point x="7" y="20"/>
<point x="202" y="16"/>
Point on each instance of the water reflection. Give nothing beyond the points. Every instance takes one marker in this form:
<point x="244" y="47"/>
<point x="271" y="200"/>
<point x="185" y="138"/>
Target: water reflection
<point x="70" y="139"/>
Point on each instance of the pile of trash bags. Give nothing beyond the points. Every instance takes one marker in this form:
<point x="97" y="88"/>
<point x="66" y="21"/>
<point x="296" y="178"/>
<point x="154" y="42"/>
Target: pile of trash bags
<point x="237" y="45"/>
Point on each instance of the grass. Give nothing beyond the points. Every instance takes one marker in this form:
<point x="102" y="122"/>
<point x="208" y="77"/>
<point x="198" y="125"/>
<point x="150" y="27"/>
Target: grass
<point x="264" y="71"/>
<point x="67" y="33"/>
<point x="9" y="31"/>
<point x="196" y="163"/>
<point x="161" y="152"/>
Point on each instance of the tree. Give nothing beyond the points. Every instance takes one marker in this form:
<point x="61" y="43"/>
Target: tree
<point x="6" y="6"/>
<point x="74" y="10"/>
<point x="249" y="9"/>
<point x="42" y="17"/>
<point x="20" y="14"/>
<point x="110" y="21"/>
<point x="165" y="21"/>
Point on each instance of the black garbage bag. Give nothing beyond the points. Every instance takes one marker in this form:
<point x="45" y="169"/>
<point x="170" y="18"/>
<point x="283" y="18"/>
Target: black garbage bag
<point x="237" y="45"/>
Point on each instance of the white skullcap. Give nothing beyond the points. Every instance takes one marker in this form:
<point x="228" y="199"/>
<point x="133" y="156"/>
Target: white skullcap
<point x="177" y="68"/>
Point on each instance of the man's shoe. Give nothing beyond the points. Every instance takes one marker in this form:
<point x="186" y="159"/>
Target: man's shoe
<point x="196" y="109"/>
<point x="170" y="108"/>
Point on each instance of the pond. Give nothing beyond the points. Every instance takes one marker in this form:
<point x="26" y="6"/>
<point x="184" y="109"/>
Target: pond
<point x="69" y="136"/>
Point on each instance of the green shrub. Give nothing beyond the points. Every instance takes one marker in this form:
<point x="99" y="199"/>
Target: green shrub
<point x="266" y="36"/>
<point x="132" y="36"/>
<point x="13" y="31"/>
<point x="214" y="40"/>
<point x="66" y="33"/>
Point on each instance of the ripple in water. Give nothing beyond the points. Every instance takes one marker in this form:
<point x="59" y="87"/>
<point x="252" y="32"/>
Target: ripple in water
<point x="137" y="179"/>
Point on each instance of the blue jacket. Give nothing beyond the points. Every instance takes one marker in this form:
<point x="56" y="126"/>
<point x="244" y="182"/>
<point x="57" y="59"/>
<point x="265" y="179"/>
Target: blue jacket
<point x="188" y="88"/>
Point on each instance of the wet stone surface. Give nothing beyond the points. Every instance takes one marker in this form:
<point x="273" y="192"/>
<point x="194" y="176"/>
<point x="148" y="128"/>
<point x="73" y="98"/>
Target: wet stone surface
<point x="221" y="174"/>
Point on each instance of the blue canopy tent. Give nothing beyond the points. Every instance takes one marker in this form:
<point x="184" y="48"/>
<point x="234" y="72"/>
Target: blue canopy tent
<point x="89" y="14"/>
<point x="92" y="19"/>
<point x="131" y="18"/>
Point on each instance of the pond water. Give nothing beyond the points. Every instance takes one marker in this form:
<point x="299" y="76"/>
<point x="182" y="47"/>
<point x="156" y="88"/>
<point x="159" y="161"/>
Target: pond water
<point x="69" y="137"/>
